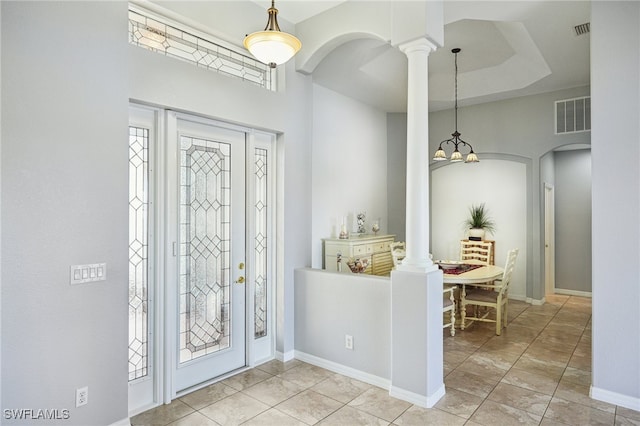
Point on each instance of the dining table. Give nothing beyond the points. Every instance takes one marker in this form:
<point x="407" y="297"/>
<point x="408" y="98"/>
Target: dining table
<point x="476" y="274"/>
<point x="469" y="273"/>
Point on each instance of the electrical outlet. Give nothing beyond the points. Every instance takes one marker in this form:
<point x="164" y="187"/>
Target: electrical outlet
<point x="348" y="341"/>
<point x="82" y="396"/>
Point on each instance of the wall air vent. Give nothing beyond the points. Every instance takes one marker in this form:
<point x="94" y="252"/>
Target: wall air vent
<point x="582" y="28"/>
<point x="573" y="115"/>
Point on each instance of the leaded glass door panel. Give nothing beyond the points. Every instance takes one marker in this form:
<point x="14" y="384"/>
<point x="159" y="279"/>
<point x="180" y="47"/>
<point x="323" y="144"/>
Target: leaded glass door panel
<point x="142" y="146"/>
<point x="210" y="247"/>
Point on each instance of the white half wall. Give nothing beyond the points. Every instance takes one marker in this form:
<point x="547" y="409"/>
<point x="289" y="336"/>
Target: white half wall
<point x="500" y="185"/>
<point x="329" y="305"/>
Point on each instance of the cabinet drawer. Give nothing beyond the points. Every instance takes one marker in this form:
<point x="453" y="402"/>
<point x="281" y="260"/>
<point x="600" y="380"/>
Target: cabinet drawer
<point x="334" y="249"/>
<point x="380" y="247"/>
<point x="360" y="249"/>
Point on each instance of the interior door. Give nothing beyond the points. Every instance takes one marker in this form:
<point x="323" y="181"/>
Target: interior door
<point x="549" y="240"/>
<point x="207" y="291"/>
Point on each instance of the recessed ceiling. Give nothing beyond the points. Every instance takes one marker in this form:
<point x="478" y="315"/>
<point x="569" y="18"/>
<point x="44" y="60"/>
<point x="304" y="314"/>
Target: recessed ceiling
<point x="509" y="49"/>
<point x="529" y="48"/>
<point x="484" y="46"/>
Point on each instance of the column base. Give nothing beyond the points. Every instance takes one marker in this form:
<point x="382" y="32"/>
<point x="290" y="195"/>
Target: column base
<point x="417" y="265"/>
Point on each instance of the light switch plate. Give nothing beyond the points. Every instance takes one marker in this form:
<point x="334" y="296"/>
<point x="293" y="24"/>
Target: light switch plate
<point x="81" y="274"/>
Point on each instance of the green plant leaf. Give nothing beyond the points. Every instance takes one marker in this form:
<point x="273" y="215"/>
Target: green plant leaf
<point x="479" y="218"/>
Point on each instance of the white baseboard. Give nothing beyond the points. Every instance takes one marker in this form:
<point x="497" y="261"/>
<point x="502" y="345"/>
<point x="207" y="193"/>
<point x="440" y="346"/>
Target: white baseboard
<point x="626" y="401"/>
<point x="285" y="356"/>
<point x="519" y="297"/>
<point x="526" y="299"/>
<point x="261" y="361"/>
<point x="572" y="292"/>
<point x="416" y="399"/>
<point x="344" y="370"/>
<point x="381" y="382"/>
<point x="123" y="422"/>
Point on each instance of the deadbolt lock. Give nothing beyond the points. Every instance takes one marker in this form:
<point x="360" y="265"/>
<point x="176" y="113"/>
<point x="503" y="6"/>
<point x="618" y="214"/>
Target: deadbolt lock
<point x="241" y="266"/>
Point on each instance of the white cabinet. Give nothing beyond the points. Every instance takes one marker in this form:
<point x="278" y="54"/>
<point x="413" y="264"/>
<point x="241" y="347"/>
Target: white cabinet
<point x="374" y="249"/>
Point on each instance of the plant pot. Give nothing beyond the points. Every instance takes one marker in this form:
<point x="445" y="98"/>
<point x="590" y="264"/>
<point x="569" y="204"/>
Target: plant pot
<point x="476" y="234"/>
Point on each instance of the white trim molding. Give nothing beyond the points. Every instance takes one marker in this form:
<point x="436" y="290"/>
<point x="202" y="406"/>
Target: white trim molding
<point x="630" y="402"/>
<point x="535" y="302"/>
<point x="344" y="370"/>
<point x="285" y="356"/>
<point x="417" y="399"/>
<point x="572" y="292"/>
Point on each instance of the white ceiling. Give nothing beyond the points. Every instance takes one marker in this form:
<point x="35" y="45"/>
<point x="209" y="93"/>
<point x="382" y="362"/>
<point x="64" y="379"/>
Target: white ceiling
<point x="509" y="49"/>
<point x="296" y="11"/>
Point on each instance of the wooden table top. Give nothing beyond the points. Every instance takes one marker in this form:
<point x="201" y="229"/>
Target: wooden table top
<point x="475" y="276"/>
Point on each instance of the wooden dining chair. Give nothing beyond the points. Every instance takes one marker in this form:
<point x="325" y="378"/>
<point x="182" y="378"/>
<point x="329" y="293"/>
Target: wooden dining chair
<point x="398" y="252"/>
<point x="495" y="297"/>
<point x="479" y="251"/>
<point x="449" y="308"/>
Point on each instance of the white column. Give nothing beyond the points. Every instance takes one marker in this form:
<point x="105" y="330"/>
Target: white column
<point x="417" y="220"/>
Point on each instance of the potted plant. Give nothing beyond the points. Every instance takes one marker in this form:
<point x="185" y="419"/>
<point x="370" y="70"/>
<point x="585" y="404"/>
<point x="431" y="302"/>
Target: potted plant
<point x="479" y="222"/>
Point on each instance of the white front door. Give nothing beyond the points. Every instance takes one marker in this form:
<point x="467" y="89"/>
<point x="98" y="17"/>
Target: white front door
<point x="206" y="290"/>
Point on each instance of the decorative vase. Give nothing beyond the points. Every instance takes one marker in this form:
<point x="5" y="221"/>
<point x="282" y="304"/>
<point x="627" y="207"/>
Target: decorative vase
<point x="343" y="232"/>
<point x="476" y="234"/>
<point x="360" y="218"/>
<point x="375" y="228"/>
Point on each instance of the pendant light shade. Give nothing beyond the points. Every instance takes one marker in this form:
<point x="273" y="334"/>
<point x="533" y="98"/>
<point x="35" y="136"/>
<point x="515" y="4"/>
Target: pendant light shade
<point x="272" y="46"/>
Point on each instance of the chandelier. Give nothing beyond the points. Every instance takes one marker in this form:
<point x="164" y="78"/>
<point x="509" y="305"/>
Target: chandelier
<point x="272" y="46"/>
<point x="457" y="143"/>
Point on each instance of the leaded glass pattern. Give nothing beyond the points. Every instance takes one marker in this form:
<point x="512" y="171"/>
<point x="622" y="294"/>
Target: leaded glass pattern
<point x="261" y="235"/>
<point x="138" y="251"/>
<point x="205" y="247"/>
<point x="168" y="40"/>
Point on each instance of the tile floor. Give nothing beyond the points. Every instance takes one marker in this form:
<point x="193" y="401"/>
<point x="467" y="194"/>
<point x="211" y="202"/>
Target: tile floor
<point x="537" y="372"/>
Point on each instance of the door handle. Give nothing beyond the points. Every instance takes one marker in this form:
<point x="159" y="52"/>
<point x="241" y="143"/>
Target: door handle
<point x="240" y="279"/>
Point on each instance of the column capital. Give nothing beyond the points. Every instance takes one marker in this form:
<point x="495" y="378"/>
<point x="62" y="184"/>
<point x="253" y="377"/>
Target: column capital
<point x="418" y="45"/>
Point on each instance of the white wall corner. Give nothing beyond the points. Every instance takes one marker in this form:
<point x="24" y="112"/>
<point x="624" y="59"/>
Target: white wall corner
<point x="285" y="356"/>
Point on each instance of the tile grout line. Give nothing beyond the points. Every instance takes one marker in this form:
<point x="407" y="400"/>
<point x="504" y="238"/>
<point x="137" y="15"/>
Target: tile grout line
<point x="512" y="366"/>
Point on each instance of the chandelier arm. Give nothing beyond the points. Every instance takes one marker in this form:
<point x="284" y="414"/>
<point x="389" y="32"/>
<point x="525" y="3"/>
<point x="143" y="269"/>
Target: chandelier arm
<point x="460" y="141"/>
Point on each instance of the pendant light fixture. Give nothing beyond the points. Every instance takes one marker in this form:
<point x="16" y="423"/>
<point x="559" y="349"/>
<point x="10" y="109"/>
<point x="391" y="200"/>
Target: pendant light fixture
<point x="272" y="46"/>
<point x="456" y="156"/>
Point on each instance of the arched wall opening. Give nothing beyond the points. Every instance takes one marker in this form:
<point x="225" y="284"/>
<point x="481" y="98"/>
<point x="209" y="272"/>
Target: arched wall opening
<point x="499" y="183"/>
